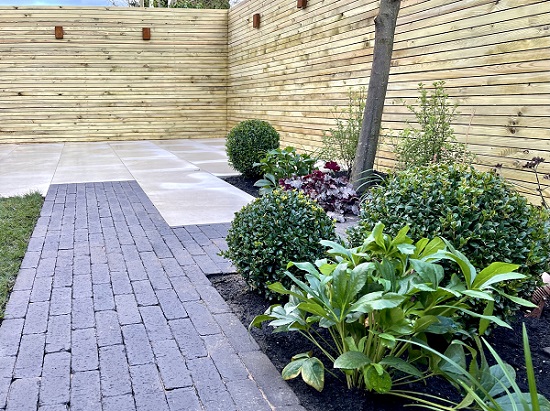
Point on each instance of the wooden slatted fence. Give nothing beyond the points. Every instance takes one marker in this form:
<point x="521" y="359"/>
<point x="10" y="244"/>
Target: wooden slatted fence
<point x="102" y="81"/>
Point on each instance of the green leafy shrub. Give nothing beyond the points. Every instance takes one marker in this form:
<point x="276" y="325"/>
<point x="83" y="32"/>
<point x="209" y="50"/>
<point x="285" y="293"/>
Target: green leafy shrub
<point x="340" y="143"/>
<point x="434" y="140"/>
<point x="478" y="212"/>
<point x="273" y="230"/>
<point x="375" y="300"/>
<point x="282" y="163"/>
<point x="286" y="162"/>
<point x="248" y="142"/>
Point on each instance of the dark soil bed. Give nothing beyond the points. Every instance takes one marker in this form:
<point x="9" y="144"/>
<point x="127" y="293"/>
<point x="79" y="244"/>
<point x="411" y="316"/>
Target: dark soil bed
<point x="243" y="183"/>
<point x="335" y="397"/>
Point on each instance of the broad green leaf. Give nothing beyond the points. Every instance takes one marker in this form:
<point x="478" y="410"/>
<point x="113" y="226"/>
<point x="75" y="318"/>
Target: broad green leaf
<point x="386" y="271"/>
<point x="301" y="355"/>
<point x="313" y="373"/>
<point x="360" y="275"/>
<point x="455" y="352"/>
<point x="259" y="320"/>
<point x="429" y="272"/>
<point x="325" y="267"/>
<point x="493" y="270"/>
<point x="401" y="237"/>
<point x="515" y="401"/>
<point x="377" y="301"/>
<point x="544" y="404"/>
<point x="352" y="360"/>
<point x="519" y="301"/>
<point x="387" y="340"/>
<point x="425" y="247"/>
<point x="407" y="249"/>
<point x="468" y="270"/>
<point x="340" y="285"/>
<point x="500" y="379"/>
<point x="422" y="323"/>
<point x="336" y="249"/>
<point x="307" y="267"/>
<point x="492" y="318"/>
<point x="401" y="365"/>
<point x="293" y="369"/>
<point x="379" y="383"/>
<point x="478" y="294"/>
<point x="420" y="246"/>
<point x="497" y="279"/>
<point x="484" y="322"/>
<point x="315" y="309"/>
<point x="444" y="325"/>
<point x="377" y="235"/>
<point x="281" y="289"/>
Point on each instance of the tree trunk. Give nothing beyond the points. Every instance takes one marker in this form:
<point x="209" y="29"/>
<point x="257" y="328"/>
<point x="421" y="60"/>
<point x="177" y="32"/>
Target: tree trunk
<point x="384" y="25"/>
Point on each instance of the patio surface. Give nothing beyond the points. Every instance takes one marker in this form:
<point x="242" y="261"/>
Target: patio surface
<point x="178" y="176"/>
<point x="112" y="308"/>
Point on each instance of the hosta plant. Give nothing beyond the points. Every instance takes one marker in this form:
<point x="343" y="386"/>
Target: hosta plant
<point x="373" y="300"/>
<point x="331" y="191"/>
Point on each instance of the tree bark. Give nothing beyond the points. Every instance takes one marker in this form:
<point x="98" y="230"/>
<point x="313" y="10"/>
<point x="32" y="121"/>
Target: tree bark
<point x="384" y="25"/>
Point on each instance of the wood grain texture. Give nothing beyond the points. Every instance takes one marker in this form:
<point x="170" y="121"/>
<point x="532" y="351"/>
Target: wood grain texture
<point x="103" y="81"/>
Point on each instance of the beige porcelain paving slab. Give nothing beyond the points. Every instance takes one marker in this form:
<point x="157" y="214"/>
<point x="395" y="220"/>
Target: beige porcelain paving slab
<point x="28" y="167"/>
<point x="145" y="158"/>
<point x="195" y="198"/>
<point x="89" y="162"/>
<point x="209" y="155"/>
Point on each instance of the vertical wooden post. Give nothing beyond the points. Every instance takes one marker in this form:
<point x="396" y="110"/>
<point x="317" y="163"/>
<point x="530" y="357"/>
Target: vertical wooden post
<point x="302" y="4"/>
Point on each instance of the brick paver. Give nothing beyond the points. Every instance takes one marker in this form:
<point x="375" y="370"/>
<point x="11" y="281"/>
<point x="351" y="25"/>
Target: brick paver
<point x="112" y="310"/>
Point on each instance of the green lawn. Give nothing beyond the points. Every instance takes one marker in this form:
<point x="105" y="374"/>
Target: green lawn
<point x="18" y="217"/>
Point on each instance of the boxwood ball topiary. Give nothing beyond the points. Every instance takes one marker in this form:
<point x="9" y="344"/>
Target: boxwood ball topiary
<point x="279" y="227"/>
<point x="248" y="142"/>
<point x="478" y="212"/>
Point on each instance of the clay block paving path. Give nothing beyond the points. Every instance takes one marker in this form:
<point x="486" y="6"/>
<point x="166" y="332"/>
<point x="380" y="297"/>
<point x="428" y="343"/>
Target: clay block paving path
<point x="112" y="311"/>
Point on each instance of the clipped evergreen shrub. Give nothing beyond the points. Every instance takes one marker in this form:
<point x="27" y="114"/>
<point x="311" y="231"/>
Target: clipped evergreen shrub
<point x="478" y="212"/>
<point x="248" y="142"/>
<point x="279" y="227"/>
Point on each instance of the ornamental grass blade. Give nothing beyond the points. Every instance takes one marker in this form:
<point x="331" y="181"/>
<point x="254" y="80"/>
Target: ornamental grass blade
<point x="537" y="402"/>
